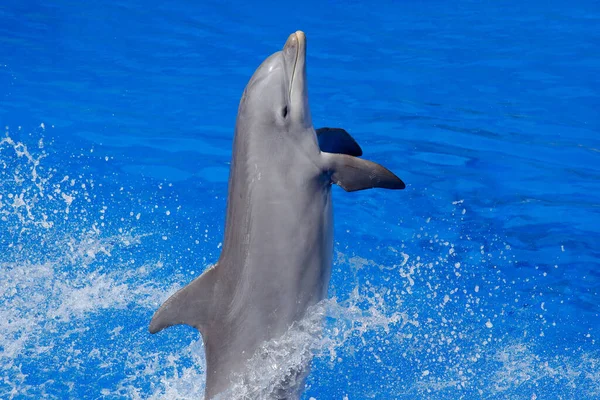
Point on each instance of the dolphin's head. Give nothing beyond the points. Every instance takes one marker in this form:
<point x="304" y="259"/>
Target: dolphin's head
<point x="277" y="93"/>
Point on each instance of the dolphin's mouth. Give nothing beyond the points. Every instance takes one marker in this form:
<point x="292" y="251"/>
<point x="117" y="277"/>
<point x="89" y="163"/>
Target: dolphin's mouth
<point x="294" y="69"/>
<point x="294" y="49"/>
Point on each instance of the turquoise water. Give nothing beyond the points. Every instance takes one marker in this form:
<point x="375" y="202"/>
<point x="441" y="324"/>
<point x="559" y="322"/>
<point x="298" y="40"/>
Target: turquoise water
<point x="480" y="280"/>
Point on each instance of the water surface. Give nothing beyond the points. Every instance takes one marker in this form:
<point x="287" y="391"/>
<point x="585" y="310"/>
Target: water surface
<point x="480" y="280"/>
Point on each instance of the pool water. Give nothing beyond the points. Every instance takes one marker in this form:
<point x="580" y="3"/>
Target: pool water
<point x="481" y="280"/>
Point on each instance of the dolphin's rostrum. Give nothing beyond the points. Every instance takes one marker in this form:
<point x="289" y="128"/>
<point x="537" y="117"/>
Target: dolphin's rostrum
<point x="277" y="251"/>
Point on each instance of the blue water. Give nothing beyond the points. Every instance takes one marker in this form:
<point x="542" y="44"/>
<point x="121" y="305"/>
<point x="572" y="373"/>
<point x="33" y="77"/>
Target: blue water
<point x="481" y="280"/>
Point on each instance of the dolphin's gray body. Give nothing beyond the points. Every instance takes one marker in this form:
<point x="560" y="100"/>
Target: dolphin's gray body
<point x="277" y="252"/>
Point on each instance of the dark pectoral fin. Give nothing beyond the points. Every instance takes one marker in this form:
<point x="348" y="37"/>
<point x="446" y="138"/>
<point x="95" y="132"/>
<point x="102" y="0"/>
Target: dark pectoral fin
<point x="337" y="140"/>
<point x="192" y="305"/>
<point x="354" y="174"/>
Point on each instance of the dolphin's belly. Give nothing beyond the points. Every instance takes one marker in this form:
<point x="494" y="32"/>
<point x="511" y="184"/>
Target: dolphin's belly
<point x="285" y="270"/>
<point x="287" y="264"/>
<point x="292" y="247"/>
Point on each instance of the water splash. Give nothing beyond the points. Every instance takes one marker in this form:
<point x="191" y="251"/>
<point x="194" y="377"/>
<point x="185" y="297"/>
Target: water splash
<point x="21" y="185"/>
<point x="434" y="316"/>
<point x="54" y="274"/>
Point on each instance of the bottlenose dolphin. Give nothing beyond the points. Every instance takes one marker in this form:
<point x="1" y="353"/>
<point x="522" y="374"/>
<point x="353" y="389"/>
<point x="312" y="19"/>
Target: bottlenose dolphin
<point x="277" y="252"/>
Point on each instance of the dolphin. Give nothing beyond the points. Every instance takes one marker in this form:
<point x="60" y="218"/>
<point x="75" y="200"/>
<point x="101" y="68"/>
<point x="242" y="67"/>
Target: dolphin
<point x="277" y="251"/>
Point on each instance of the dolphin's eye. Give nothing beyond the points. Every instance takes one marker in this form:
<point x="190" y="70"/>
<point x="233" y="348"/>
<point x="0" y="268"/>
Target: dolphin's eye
<point x="284" y="111"/>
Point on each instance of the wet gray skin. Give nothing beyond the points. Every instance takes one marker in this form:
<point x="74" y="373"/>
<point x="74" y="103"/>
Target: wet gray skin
<point x="277" y="253"/>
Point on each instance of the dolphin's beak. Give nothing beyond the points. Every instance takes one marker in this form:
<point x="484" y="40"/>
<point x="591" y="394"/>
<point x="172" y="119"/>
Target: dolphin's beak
<point x="294" y="55"/>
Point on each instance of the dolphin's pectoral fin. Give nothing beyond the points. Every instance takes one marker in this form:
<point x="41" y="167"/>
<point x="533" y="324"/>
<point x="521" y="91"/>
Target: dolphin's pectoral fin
<point x="191" y="305"/>
<point x="337" y="140"/>
<point x="354" y="174"/>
